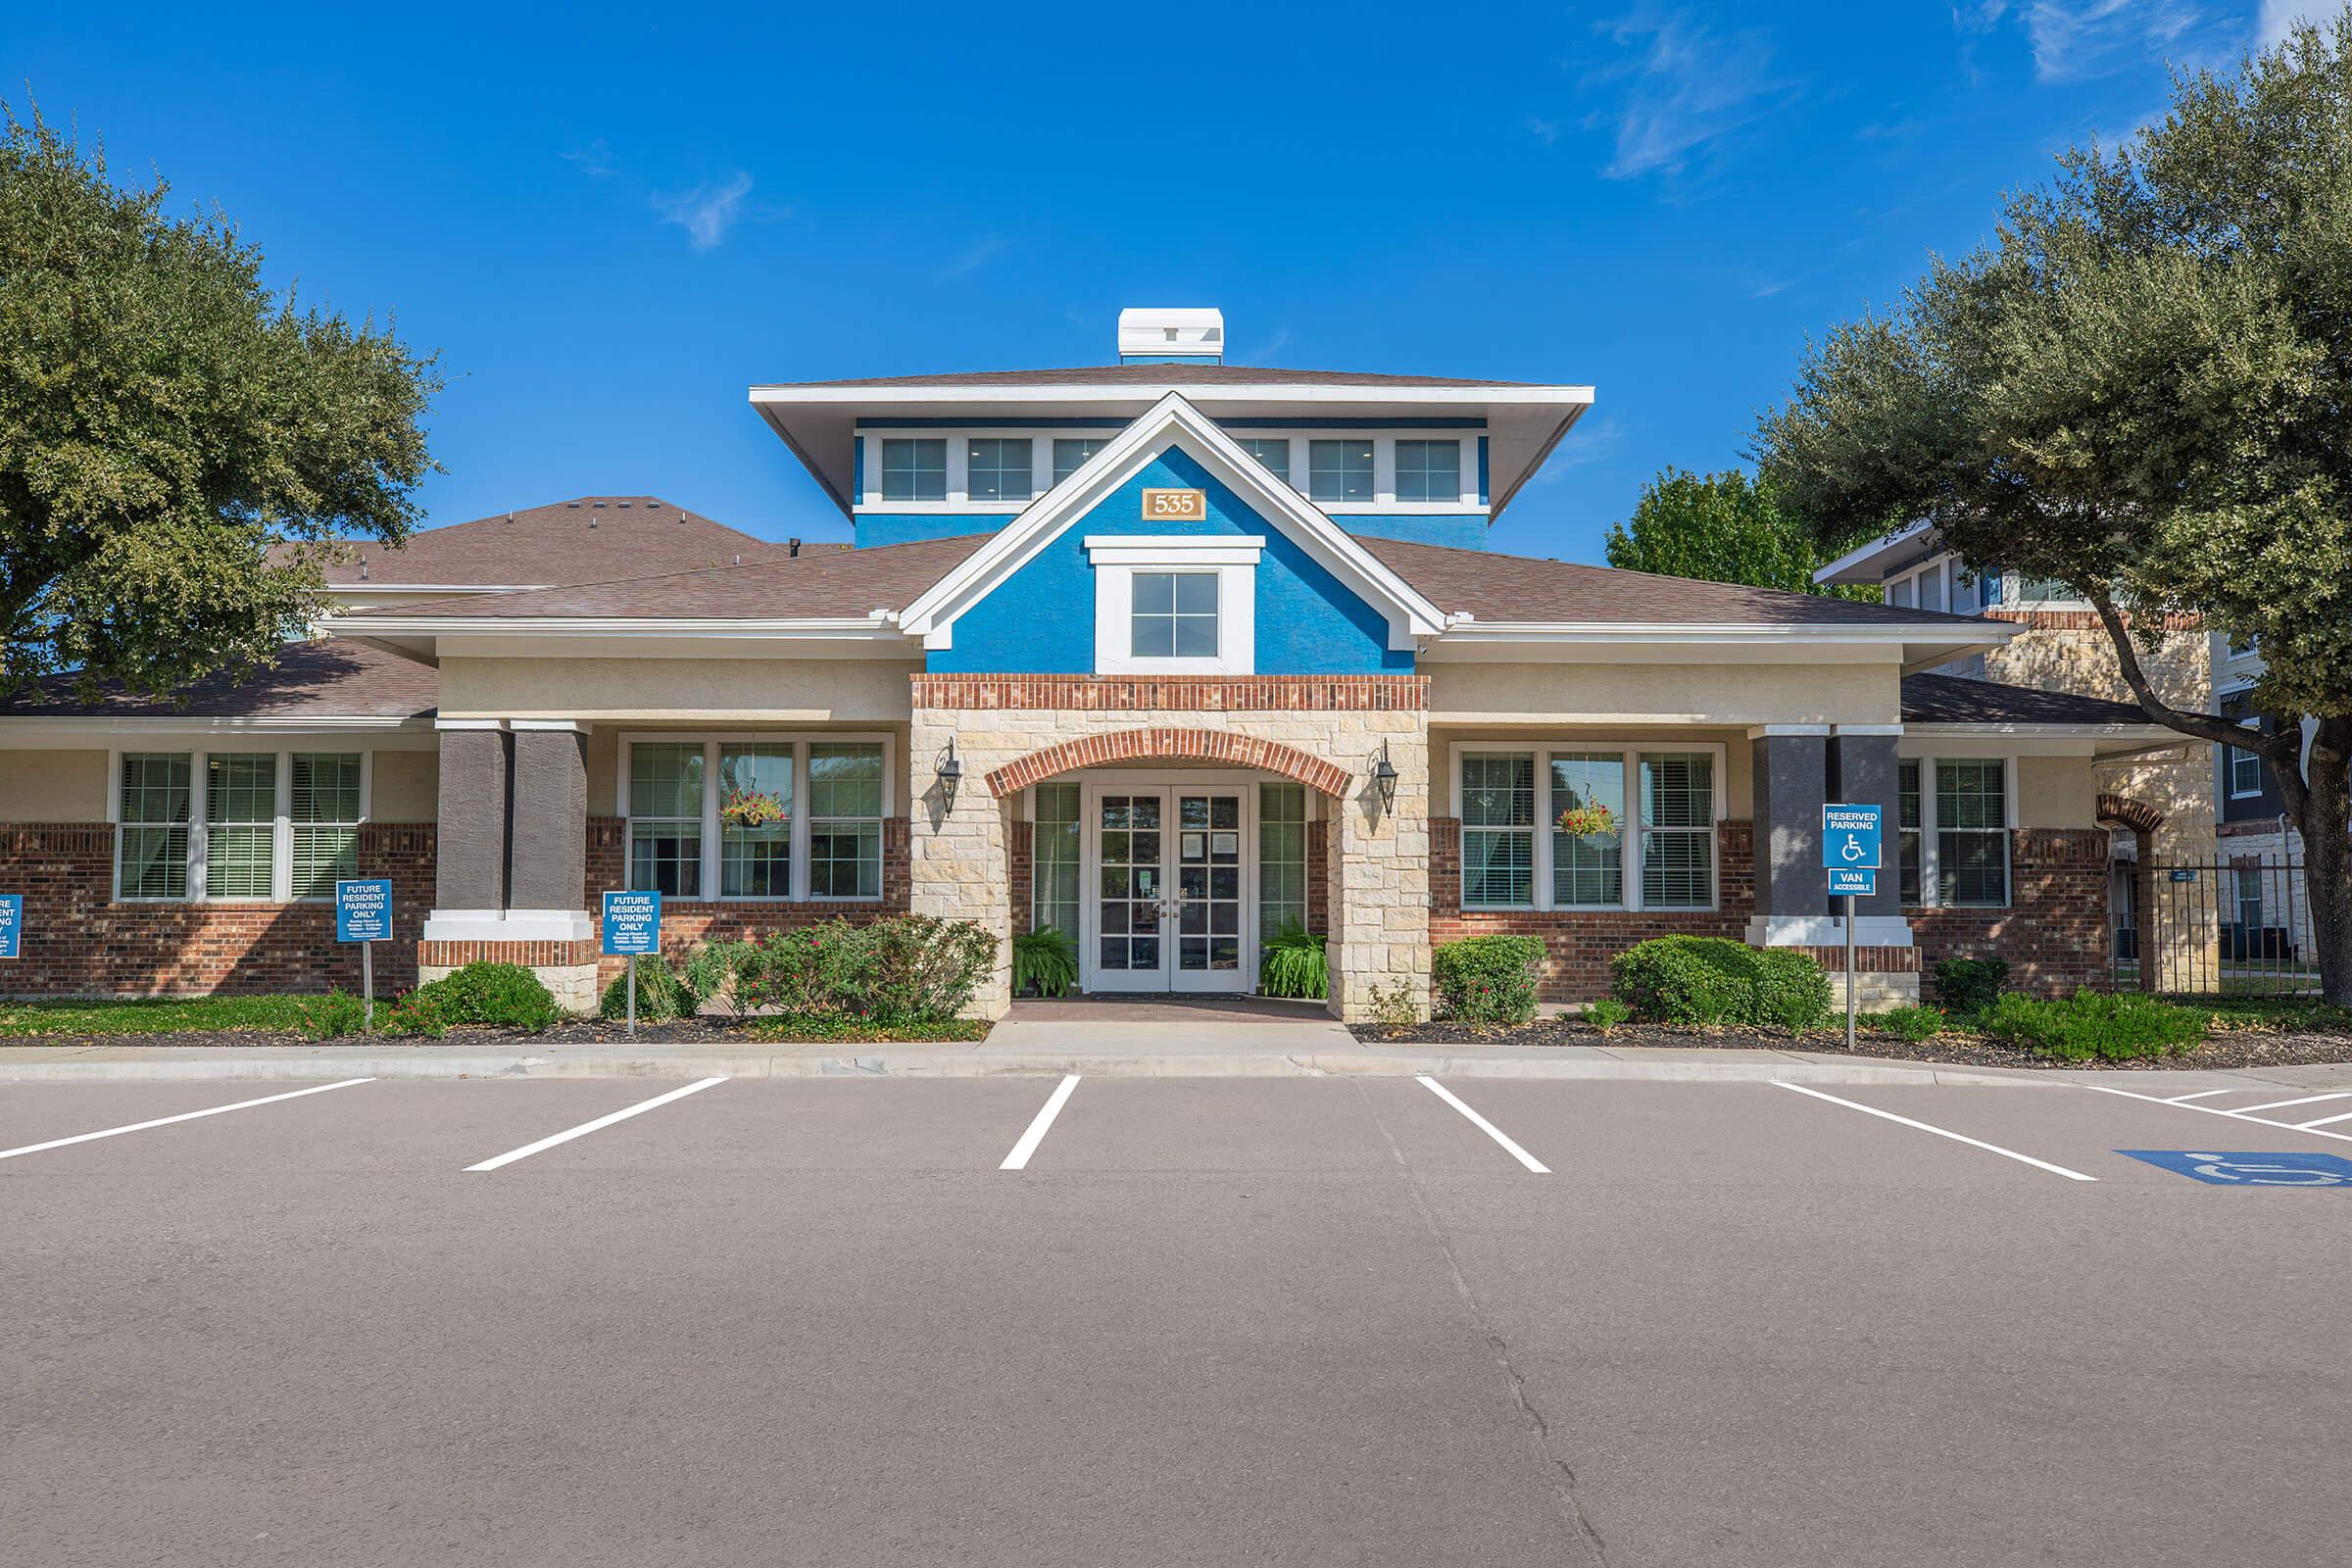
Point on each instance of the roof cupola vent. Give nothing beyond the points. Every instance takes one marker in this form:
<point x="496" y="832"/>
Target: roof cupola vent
<point x="1151" y="333"/>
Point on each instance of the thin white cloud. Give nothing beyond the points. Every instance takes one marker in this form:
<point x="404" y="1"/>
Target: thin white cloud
<point x="708" y="210"/>
<point x="594" y="160"/>
<point x="1265" y="353"/>
<point x="978" y="254"/>
<point x="1591" y="441"/>
<point x="2078" y="40"/>
<point x="1546" y="131"/>
<point x="1688" y="89"/>
<point x="2280" y="16"/>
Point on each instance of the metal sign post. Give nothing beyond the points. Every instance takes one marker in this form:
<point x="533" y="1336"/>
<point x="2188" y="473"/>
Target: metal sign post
<point x="364" y="914"/>
<point x="632" y="925"/>
<point x="1850" y="837"/>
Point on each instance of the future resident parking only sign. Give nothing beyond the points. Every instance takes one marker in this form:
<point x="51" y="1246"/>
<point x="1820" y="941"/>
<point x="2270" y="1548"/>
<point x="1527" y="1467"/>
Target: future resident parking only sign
<point x="364" y="910"/>
<point x="632" y="922"/>
<point x="11" y="923"/>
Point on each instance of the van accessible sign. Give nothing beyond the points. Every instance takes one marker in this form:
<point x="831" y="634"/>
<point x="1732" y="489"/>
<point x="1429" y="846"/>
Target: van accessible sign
<point x="1849" y="837"/>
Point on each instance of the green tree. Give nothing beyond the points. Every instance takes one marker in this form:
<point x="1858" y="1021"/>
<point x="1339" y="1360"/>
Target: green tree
<point x="1717" y="527"/>
<point x="177" y="445"/>
<point x="2142" y="388"/>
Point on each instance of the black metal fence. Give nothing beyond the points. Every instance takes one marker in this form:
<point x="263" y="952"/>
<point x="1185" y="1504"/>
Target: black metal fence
<point x="2233" y="926"/>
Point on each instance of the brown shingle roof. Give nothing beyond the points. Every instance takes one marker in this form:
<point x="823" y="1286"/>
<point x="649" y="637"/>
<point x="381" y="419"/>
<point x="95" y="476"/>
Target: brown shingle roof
<point x="336" y="678"/>
<point x="819" y="585"/>
<point x="1507" y="589"/>
<point x="1157" y="373"/>
<point x="1956" y="699"/>
<point x="593" y="539"/>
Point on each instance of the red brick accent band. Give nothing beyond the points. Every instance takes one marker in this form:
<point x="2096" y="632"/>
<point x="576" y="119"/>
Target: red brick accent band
<point x="2116" y="810"/>
<point x="2254" y="827"/>
<point x="530" y="954"/>
<point x="1199" y="694"/>
<point x="1195" y="744"/>
<point x="1867" y="960"/>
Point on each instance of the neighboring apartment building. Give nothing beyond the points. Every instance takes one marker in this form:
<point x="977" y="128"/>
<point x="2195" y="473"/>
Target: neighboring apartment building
<point x="1166" y="652"/>
<point x="2061" y="647"/>
<point x="2267" y="907"/>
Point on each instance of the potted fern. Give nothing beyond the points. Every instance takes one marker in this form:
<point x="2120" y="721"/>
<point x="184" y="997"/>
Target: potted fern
<point x="1044" y="963"/>
<point x="1294" y="965"/>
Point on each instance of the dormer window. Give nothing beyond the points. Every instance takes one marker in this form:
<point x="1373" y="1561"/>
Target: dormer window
<point x="1175" y="603"/>
<point x="914" y="469"/>
<point x="1070" y="454"/>
<point x="1429" y="470"/>
<point x="997" y="469"/>
<point x="1339" y="470"/>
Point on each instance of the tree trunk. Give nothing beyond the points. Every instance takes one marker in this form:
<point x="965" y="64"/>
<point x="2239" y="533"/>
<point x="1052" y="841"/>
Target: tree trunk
<point x="2324" y="815"/>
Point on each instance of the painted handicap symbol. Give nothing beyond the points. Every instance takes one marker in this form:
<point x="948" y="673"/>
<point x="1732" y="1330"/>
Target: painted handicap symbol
<point x="2249" y="1168"/>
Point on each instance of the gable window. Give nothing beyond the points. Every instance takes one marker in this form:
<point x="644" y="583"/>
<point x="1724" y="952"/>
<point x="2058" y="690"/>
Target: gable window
<point x="997" y="469"/>
<point x="1499" y="830"/>
<point x="1070" y="453"/>
<point x="1429" y="470"/>
<point x="245" y="825"/>
<point x="1175" y="615"/>
<point x="914" y="469"/>
<point x="1339" y="470"/>
<point x="1273" y="451"/>
<point x="762" y="817"/>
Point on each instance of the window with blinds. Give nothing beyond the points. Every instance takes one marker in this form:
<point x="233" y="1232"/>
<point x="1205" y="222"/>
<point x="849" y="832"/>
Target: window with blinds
<point x="151" y="845"/>
<point x="324" y="810"/>
<point x="1054" y="860"/>
<point x="1678" y="830"/>
<point x="240" y="824"/>
<point x="1281" y="857"/>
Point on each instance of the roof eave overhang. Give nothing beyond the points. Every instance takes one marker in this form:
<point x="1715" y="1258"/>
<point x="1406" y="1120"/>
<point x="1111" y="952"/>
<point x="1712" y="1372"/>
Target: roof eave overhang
<point x="1866" y="563"/>
<point x="2102" y="742"/>
<point x="427" y="637"/>
<point x="30" y="725"/>
<point x="1914" y="647"/>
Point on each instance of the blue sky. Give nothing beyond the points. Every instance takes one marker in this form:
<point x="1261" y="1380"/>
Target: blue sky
<point x="610" y="224"/>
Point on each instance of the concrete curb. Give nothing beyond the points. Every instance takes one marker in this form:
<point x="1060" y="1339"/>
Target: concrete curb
<point x="278" y="1064"/>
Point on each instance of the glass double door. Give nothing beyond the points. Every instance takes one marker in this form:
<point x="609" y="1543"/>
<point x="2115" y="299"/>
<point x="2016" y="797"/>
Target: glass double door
<point x="1168" y="902"/>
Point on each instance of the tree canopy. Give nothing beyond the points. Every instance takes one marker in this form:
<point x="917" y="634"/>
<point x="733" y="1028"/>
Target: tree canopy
<point x="176" y="444"/>
<point x="1717" y="527"/>
<point x="2142" y="388"/>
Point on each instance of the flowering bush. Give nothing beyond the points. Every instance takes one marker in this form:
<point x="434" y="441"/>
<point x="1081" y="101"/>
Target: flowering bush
<point x="751" y="809"/>
<point x="1487" y="980"/>
<point x="1583" y="822"/>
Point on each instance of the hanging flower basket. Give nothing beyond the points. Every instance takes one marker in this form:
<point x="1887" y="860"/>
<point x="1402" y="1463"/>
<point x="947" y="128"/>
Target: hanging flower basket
<point x="751" y="809"/>
<point x="1586" y="821"/>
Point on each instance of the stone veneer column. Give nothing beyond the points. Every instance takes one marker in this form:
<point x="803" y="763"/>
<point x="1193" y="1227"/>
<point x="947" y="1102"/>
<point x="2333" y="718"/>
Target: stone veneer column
<point x="1791" y="784"/>
<point x="959" y="848"/>
<point x="1379" y="870"/>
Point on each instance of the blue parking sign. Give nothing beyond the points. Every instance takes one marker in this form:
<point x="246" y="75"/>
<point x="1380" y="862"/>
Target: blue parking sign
<point x="2249" y="1168"/>
<point x="11" y="923"/>
<point x="1852" y="882"/>
<point x="1849" y="837"/>
<point x="632" y="922"/>
<point x="364" y="910"/>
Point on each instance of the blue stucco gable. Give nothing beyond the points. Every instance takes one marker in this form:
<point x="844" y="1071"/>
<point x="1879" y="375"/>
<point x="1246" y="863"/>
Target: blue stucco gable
<point x="1041" y="618"/>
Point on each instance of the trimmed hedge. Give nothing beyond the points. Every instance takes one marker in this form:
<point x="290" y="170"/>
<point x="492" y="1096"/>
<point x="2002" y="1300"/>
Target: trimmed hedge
<point x="1971" y="985"/>
<point x="908" y="968"/>
<point x="1713" y="980"/>
<point x="2109" y="1026"/>
<point x="1488" y="979"/>
<point x="500" y="995"/>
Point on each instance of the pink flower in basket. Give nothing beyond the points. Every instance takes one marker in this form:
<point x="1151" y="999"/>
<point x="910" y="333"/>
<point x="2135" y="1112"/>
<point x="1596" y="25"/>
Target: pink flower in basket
<point x="751" y="809"/>
<point x="1583" y="821"/>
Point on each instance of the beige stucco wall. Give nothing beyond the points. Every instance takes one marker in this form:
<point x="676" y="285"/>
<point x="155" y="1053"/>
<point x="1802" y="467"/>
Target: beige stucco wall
<point x="53" y="786"/>
<point x="406" y="787"/>
<point x="1482" y="694"/>
<point x="773" y="691"/>
<point x="2056" y="792"/>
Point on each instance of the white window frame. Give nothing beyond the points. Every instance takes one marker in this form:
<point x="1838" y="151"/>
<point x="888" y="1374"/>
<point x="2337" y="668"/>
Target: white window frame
<point x="712" y="862"/>
<point x="1117" y="557"/>
<point x="281" y="840"/>
<point x="1041" y="466"/>
<point x="1963" y="589"/>
<point x="1629" y="831"/>
<point x="2232" y="754"/>
<point x="1930" y="858"/>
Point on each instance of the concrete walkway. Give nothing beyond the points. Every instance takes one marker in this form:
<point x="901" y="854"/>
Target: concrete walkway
<point x="1258" y="1048"/>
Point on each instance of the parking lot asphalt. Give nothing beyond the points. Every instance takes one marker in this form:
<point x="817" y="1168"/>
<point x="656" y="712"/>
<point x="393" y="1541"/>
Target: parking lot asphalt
<point x="1201" y="1321"/>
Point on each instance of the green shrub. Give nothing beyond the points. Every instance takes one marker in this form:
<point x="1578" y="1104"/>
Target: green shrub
<point x="1295" y="964"/>
<point x="906" y="968"/>
<point x="1488" y="979"/>
<point x="1968" y="986"/>
<point x="1607" y="1014"/>
<point x="1394" y="1005"/>
<point x="334" y="1015"/>
<point x="661" y="994"/>
<point x="1044" y="960"/>
<point x="414" y="1014"/>
<point x="504" y="996"/>
<point x="2090" y="1024"/>
<point x="1913" y="1024"/>
<point x="1714" y="980"/>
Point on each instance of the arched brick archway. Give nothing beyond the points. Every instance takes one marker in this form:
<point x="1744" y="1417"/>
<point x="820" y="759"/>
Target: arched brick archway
<point x="2116" y="811"/>
<point x="1189" y="745"/>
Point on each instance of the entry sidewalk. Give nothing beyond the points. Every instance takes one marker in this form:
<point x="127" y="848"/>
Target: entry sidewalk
<point x="1272" y="1048"/>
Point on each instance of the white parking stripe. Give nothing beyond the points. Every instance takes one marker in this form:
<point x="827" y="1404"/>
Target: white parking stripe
<point x="190" y="1115"/>
<point x="2282" y="1105"/>
<point x="2315" y="1130"/>
<point x="2202" y="1094"/>
<point x="1483" y="1125"/>
<point x="2306" y="1126"/>
<point x="1940" y="1132"/>
<point x="587" y="1127"/>
<point x="1018" y="1159"/>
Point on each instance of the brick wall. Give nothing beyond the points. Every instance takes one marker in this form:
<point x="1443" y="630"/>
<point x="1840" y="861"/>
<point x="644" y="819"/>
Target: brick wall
<point x="2054" y="932"/>
<point x="79" y="941"/>
<point x="1578" y="944"/>
<point x="687" y="924"/>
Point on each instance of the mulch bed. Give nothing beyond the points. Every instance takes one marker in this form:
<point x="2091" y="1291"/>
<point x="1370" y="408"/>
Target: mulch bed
<point x="2231" y="1049"/>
